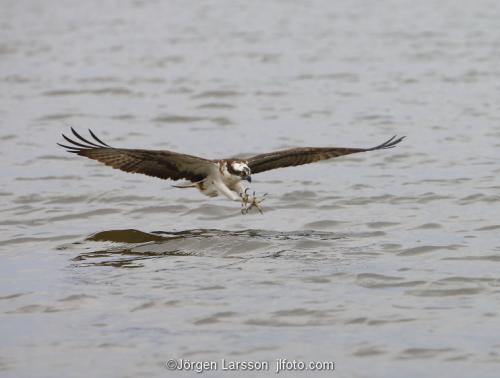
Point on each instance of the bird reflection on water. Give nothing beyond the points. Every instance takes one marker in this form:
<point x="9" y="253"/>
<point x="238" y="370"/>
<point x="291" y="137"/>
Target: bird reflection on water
<point x="131" y="246"/>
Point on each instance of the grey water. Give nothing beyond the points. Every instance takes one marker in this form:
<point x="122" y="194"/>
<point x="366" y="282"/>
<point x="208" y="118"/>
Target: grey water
<point x="387" y="263"/>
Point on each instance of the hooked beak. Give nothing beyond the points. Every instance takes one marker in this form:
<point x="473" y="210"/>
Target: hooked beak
<point x="248" y="178"/>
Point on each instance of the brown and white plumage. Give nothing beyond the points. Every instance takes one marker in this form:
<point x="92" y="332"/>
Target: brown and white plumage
<point x="305" y="155"/>
<point x="161" y="164"/>
<point x="211" y="177"/>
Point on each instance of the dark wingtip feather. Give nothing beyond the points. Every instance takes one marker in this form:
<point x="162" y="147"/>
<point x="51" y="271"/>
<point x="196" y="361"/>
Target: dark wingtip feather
<point x="81" y="144"/>
<point x="98" y="140"/>
<point x="71" y="149"/>
<point x="390" y="143"/>
<point x="83" y="139"/>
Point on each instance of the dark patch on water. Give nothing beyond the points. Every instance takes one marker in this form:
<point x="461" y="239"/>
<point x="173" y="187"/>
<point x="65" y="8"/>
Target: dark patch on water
<point x="126" y="248"/>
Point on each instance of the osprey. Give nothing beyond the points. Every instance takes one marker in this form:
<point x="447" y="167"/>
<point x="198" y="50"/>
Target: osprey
<point x="210" y="177"/>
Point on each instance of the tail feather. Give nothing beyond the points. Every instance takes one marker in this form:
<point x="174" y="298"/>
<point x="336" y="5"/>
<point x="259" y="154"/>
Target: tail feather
<point x="188" y="185"/>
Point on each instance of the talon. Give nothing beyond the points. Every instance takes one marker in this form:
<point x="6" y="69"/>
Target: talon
<point x="251" y="201"/>
<point x="243" y="208"/>
<point x="255" y="203"/>
<point x="244" y="197"/>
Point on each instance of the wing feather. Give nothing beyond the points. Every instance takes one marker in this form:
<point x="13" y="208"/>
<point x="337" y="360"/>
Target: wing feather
<point x="305" y="155"/>
<point x="162" y="164"/>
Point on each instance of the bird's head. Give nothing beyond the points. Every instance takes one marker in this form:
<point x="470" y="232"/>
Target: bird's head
<point x="240" y="169"/>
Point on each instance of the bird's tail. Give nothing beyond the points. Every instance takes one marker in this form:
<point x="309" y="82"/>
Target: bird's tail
<point x="188" y="185"/>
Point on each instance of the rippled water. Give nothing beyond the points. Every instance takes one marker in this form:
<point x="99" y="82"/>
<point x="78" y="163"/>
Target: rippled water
<point x="386" y="262"/>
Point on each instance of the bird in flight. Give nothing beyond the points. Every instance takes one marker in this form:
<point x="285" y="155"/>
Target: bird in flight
<point x="210" y="177"/>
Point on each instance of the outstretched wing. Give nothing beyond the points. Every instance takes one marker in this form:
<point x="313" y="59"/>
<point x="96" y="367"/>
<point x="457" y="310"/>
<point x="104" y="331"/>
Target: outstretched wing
<point x="162" y="164"/>
<point x="306" y="155"/>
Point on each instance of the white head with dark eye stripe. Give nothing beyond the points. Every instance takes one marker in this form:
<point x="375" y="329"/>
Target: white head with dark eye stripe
<point x="241" y="169"/>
